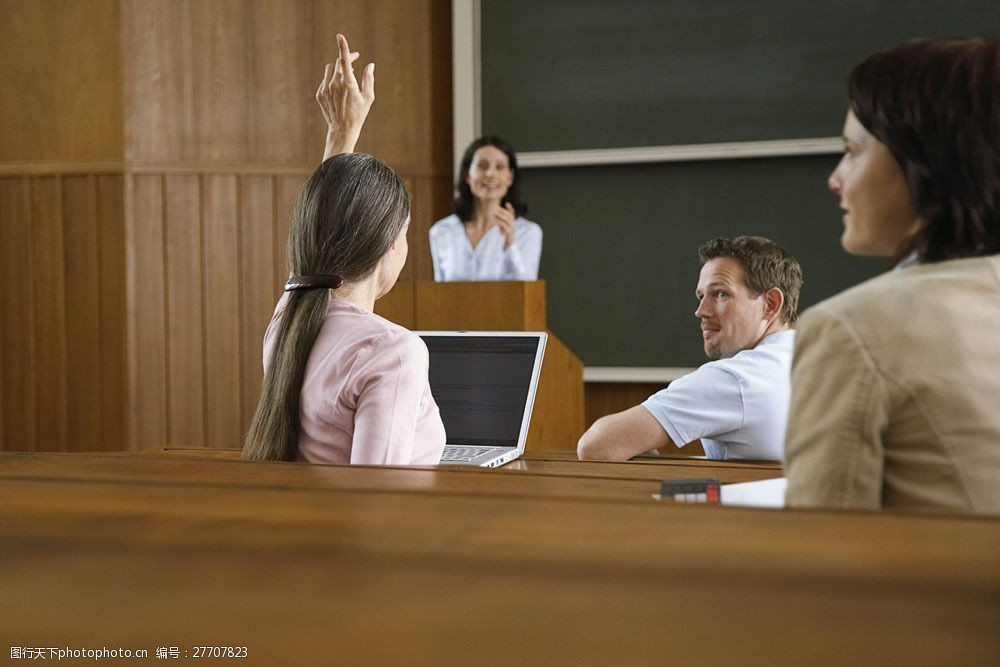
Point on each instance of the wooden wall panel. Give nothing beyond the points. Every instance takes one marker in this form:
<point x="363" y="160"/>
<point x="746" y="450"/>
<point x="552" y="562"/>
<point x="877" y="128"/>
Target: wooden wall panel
<point x="258" y="292"/>
<point x="49" y="326"/>
<point x="222" y="94"/>
<point x="283" y="121"/>
<point x="3" y="276"/>
<point x="83" y="309"/>
<point x="227" y="80"/>
<point x="185" y="325"/>
<point x="17" y="310"/>
<point x="431" y="201"/>
<point x="60" y="81"/>
<point x="286" y="190"/>
<point x="109" y="197"/>
<point x="62" y="300"/>
<point x="223" y="411"/>
<point x="155" y="99"/>
<point x="147" y="326"/>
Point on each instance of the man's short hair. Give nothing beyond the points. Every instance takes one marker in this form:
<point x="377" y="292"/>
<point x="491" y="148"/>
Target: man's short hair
<point x="765" y="265"/>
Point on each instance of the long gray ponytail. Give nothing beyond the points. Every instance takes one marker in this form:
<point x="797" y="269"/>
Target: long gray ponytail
<point x="346" y="217"/>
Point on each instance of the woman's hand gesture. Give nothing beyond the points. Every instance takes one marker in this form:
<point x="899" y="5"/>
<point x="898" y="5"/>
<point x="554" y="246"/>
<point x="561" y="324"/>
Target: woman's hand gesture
<point x="344" y="103"/>
<point x="507" y="221"/>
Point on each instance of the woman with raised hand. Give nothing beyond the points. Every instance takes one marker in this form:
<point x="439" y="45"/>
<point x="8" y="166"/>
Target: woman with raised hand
<point x="341" y="384"/>
<point x="896" y="382"/>
<point x="487" y="237"/>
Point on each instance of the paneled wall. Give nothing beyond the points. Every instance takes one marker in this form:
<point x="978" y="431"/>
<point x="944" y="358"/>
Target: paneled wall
<point x="149" y="154"/>
<point x="62" y="252"/>
<point x="221" y="128"/>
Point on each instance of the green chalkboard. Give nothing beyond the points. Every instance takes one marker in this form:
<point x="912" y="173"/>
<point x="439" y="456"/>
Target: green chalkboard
<point x="569" y="74"/>
<point x="620" y="251"/>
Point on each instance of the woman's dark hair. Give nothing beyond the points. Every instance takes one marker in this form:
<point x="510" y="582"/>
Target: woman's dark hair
<point x="346" y="218"/>
<point x="465" y="202"/>
<point x="935" y="104"/>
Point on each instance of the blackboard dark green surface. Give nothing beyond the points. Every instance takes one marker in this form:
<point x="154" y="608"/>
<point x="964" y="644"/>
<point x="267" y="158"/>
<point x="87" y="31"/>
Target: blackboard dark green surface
<point x="570" y="74"/>
<point x="620" y="252"/>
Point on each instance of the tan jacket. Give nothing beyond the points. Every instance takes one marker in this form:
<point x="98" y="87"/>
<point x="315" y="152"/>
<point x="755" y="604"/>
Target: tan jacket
<point x="896" y="393"/>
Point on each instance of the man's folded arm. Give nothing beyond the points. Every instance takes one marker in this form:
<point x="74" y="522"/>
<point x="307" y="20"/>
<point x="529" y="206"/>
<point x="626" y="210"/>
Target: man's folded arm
<point x="621" y="436"/>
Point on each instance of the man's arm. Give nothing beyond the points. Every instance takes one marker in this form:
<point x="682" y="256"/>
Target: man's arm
<point x="621" y="436"/>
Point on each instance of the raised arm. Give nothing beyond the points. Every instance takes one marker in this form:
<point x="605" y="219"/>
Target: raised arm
<point x="344" y="103"/>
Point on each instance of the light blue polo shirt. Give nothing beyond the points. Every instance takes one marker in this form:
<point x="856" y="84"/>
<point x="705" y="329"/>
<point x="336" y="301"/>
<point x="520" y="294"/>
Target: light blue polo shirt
<point x="738" y="407"/>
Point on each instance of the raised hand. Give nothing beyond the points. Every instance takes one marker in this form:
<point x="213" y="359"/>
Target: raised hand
<point x="344" y="103"/>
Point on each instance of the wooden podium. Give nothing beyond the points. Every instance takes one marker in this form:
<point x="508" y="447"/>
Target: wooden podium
<point x="557" y="421"/>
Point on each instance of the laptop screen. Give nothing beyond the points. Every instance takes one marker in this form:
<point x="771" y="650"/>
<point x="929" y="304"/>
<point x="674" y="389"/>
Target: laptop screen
<point x="481" y="384"/>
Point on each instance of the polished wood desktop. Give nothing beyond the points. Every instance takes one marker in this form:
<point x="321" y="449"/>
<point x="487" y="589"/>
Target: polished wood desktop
<point x="331" y="565"/>
<point x="565" y="463"/>
<point x="645" y="467"/>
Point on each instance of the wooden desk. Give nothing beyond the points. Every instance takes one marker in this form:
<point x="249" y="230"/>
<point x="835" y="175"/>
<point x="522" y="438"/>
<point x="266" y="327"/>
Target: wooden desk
<point x="454" y="480"/>
<point x="565" y="464"/>
<point x="364" y="576"/>
<point x="658" y="468"/>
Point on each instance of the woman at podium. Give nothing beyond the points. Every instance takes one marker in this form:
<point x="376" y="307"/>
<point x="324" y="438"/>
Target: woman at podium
<point x="487" y="237"/>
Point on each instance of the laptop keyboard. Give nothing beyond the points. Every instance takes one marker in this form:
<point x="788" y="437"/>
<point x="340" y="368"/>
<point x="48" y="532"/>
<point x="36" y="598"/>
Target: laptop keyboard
<point x="461" y="453"/>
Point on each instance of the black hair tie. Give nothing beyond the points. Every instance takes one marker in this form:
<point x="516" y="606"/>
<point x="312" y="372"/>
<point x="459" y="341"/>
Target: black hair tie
<point x="313" y="282"/>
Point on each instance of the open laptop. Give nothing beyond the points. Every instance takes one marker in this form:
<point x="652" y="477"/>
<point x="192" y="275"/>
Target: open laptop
<point x="484" y="383"/>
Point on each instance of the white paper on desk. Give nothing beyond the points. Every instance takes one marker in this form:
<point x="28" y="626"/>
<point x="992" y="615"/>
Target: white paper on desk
<point x="765" y="493"/>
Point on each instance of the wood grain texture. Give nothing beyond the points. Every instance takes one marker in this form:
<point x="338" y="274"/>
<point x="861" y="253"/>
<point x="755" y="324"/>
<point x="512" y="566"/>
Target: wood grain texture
<point x="62" y="308"/>
<point x="224" y="92"/>
<point x="185" y="314"/>
<point x="170" y="93"/>
<point x="286" y="191"/>
<point x="258" y="291"/>
<point x="282" y="120"/>
<point x="147" y="313"/>
<point x="83" y="312"/>
<point x="222" y="312"/>
<point x="559" y="463"/>
<point x="60" y="81"/>
<point x="112" y="296"/>
<point x="486" y="306"/>
<point x="398" y="305"/>
<point x="557" y="420"/>
<point x="63" y="301"/>
<point x="17" y="308"/>
<point x="439" y="566"/>
<point x="49" y="324"/>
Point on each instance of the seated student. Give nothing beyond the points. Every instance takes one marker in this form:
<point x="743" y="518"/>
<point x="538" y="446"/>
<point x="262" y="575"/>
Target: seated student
<point x="738" y="404"/>
<point x="488" y="237"/>
<point x="896" y="382"/>
<point x="341" y="384"/>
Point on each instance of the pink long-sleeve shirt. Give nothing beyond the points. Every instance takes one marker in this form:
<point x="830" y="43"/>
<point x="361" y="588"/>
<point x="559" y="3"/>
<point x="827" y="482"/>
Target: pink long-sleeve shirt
<point x="365" y="396"/>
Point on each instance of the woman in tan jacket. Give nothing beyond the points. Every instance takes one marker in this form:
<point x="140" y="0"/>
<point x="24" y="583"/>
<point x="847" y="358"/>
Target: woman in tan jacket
<point x="896" y="382"/>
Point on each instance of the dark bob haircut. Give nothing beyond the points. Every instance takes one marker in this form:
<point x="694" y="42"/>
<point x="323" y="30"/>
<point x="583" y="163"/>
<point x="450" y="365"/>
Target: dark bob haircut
<point x="935" y="104"/>
<point x="464" y="204"/>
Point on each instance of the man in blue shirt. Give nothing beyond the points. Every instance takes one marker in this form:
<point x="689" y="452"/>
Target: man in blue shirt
<point x="737" y="404"/>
